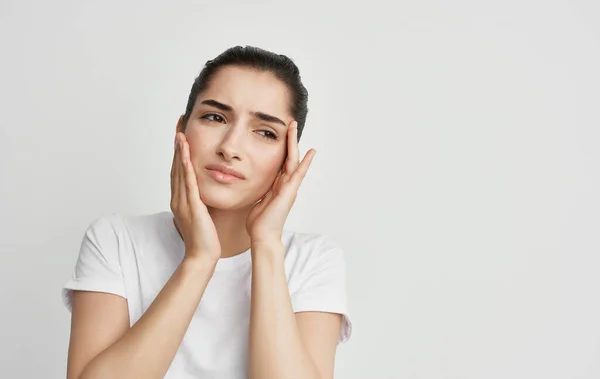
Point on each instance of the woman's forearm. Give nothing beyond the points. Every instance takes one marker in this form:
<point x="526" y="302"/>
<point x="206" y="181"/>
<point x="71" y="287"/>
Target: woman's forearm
<point x="275" y="349"/>
<point x="147" y="349"/>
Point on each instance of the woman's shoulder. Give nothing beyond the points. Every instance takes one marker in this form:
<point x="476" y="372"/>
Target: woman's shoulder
<point x="310" y="246"/>
<point x="120" y="219"/>
<point x="118" y="225"/>
<point x="309" y="239"/>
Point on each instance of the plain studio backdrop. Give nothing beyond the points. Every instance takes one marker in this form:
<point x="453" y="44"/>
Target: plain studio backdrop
<point x="458" y="165"/>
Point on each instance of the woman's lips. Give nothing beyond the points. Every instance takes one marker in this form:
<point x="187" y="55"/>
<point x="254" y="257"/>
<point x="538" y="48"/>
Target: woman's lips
<point x="222" y="177"/>
<point x="225" y="169"/>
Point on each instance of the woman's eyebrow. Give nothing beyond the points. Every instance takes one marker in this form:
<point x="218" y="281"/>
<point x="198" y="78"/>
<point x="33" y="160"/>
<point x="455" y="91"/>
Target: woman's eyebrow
<point x="216" y="104"/>
<point x="228" y="108"/>
<point x="267" y="118"/>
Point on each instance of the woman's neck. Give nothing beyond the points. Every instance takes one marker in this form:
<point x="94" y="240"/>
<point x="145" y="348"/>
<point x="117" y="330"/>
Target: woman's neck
<point x="231" y="228"/>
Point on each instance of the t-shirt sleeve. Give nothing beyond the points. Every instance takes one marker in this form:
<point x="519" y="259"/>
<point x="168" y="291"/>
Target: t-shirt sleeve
<point x="323" y="286"/>
<point x="97" y="268"/>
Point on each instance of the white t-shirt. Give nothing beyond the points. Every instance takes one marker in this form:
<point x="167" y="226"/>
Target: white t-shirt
<point x="135" y="256"/>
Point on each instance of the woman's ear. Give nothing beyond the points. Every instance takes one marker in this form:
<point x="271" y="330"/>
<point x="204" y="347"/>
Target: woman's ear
<point x="180" y="127"/>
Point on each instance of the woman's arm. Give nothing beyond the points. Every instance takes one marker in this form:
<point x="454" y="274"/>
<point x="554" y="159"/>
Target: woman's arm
<point x="281" y="344"/>
<point x="102" y="344"/>
<point x="279" y="347"/>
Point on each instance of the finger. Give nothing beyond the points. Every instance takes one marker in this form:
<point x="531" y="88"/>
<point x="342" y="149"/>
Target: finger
<point x="277" y="182"/>
<point x="300" y="173"/>
<point x="193" y="195"/>
<point x="172" y="173"/>
<point x="175" y="168"/>
<point x="181" y="189"/>
<point x="291" y="162"/>
<point x="266" y="200"/>
<point x="273" y="190"/>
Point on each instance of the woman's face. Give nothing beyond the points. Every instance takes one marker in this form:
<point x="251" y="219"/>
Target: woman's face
<point x="240" y="121"/>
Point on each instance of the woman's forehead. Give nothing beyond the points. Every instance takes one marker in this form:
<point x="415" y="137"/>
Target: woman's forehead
<point x="248" y="90"/>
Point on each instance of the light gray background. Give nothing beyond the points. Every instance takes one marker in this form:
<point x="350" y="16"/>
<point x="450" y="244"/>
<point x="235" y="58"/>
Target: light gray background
<point x="458" y="165"/>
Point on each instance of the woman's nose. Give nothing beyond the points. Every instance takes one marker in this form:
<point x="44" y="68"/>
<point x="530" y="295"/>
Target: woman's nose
<point x="230" y="146"/>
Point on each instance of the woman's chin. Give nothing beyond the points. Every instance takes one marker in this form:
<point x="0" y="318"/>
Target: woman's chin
<point x="222" y="200"/>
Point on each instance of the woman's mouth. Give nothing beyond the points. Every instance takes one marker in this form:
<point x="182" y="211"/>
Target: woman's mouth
<point x="222" y="177"/>
<point x="224" y="174"/>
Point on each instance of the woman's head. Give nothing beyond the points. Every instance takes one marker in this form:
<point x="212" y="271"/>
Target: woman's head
<point x="238" y="115"/>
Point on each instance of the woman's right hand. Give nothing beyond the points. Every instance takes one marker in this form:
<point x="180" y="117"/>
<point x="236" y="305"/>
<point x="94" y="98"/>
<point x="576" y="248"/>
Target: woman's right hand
<point x="194" y="223"/>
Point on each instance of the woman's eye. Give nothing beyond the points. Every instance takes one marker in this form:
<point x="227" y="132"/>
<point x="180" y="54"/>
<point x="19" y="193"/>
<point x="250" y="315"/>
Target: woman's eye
<point x="213" y="117"/>
<point x="268" y="134"/>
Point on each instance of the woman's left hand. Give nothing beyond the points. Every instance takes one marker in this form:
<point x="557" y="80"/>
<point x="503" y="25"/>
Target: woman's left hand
<point x="266" y="219"/>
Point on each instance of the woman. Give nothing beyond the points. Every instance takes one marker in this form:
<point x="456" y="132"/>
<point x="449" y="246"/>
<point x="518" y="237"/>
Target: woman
<point x="216" y="288"/>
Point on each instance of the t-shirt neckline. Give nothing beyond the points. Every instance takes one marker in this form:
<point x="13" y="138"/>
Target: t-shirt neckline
<point x="228" y="263"/>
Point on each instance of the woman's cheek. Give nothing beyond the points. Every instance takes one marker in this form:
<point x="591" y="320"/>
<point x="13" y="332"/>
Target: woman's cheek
<point x="268" y="178"/>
